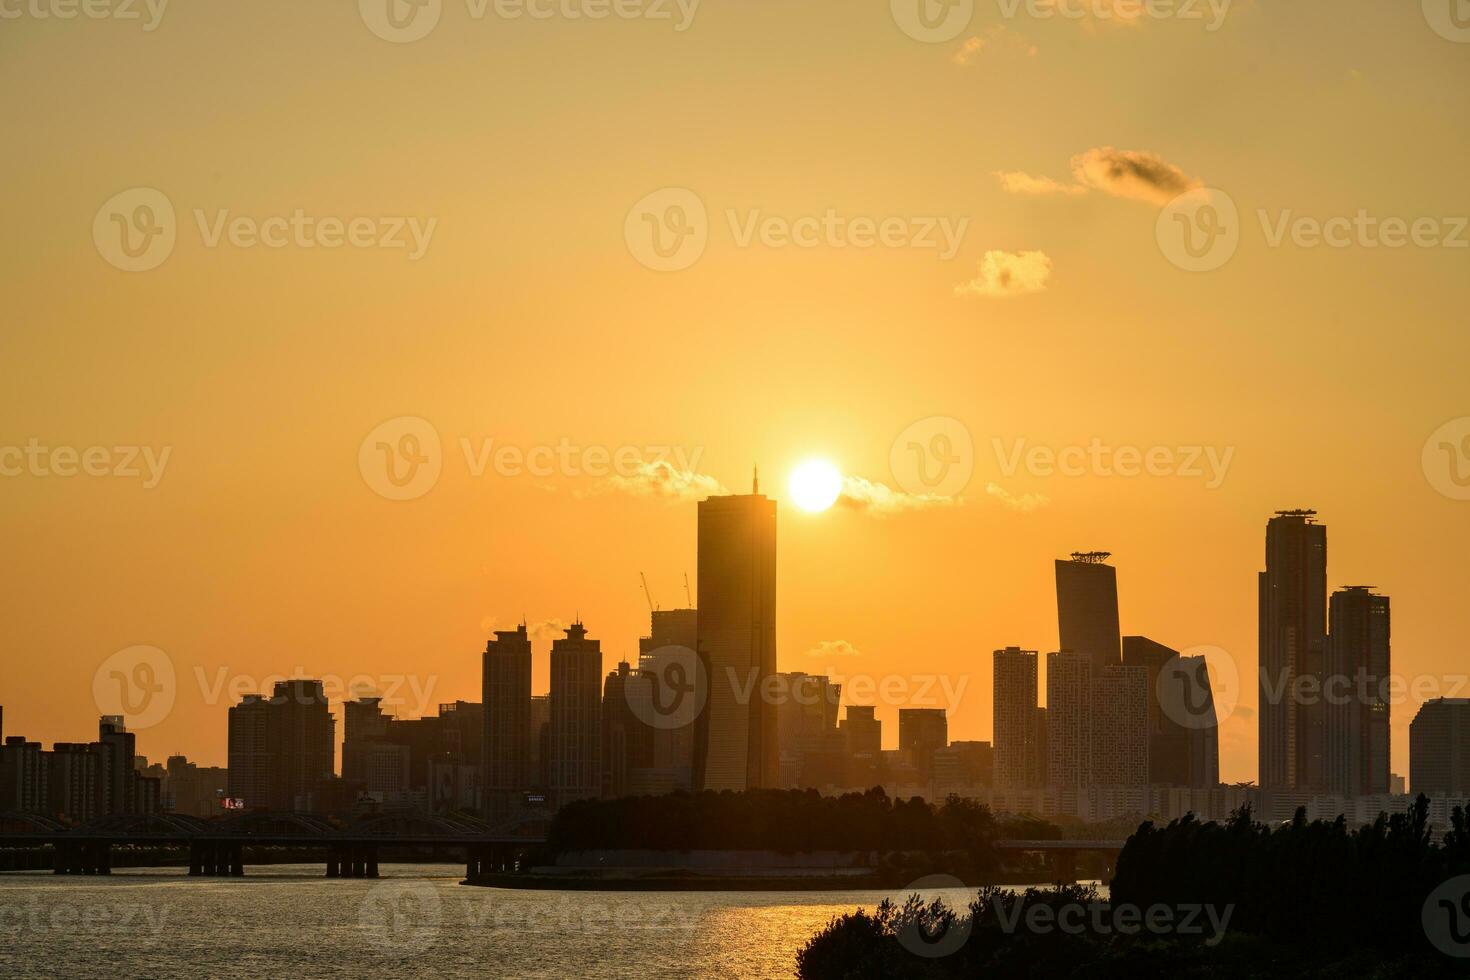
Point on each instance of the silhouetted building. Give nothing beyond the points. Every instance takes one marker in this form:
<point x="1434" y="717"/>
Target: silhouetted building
<point x="921" y="732"/>
<point x="509" y="734"/>
<point x="669" y="628"/>
<point x="281" y="751"/>
<point x="116" y="787"/>
<point x="1120" y="742"/>
<point x="23" y="776"/>
<point x="363" y="723"/>
<point x="1357" y="708"/>
<point x="806" y="731"/>
<point x="576" y="717"/>
<point x="736" y="744"/>
<point x="540" y="739"/>
<point x="1087" y="608"/>
<point x="1439" y="749"/>
<point x="1016" y="718"/>
<point x="626" y="741"/>
<point x="197" y="791"/>
<point x="862" y="745"/>
<point x="963" y="768"/>
<point x="72" y="782"/>
<point x="1068" y="720"/>
<point x="1168" y="740"/>
<point x="1293" y="638"/>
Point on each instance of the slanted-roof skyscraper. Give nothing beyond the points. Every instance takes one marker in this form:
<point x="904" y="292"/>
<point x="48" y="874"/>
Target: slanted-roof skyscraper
<point x="1087" y="609"/>
<point x="736" y="747"/>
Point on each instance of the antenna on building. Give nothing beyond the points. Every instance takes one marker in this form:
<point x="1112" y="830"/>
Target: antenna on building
<point x="647" y="594"/>
<point x="688" y="596"/>
<point x="755" y="481"/>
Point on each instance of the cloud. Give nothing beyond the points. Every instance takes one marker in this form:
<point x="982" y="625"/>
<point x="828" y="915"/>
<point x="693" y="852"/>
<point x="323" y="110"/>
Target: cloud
<point x="1004" y="274"/>
<point x="834" y="648"/>
<point x="972" y="46"/>
<point x="1017" y="182"/>
<point x="663" y="481"/>
<point x="883" y="501"/>
<point x="547" y="629"/>
<point x="1132" y="174"/>
<point x="1025" y="504"/>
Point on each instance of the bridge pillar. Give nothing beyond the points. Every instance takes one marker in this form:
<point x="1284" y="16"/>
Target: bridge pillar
<point x="1064" y="867"/>
<point x="61" y="855"/>
<point x="334" y="856"/>
<point x="371" y="860"/>
<point x="472" y="862"/>
<point x="359" y="862"/>
<point x="104" y="857"/>
<point x="237" y="860"/>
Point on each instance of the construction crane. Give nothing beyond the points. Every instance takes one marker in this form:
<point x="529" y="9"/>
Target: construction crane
<point x="647" y="594"/>
<point x="688" y="596"/>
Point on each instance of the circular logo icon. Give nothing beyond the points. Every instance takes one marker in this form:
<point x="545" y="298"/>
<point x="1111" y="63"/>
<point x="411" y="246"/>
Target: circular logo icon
<point x="401" y="21"/>
<point x="1199" y="230"/>
<point x="668" y="230"/>
<point x="1199" y="688"/>
<point x="933" y="457"/>
<point x="136" y="230"/>
<point x="1450" y="19"/>
<point x="932" y="935"/>
<point x="1446" y="917"/>
<point x="933" y="21"/>
<point x="138" y="684"/>
<point x="1447" y="459"/>
<point x="401" y="459"/>
<point x="401" y="918"/>
<point x="670" y="689"/>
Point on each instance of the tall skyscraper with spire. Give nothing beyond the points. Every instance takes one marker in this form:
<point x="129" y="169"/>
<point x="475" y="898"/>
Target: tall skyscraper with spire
<point x="736" y="739"/>
<point x="1293" y="639"/>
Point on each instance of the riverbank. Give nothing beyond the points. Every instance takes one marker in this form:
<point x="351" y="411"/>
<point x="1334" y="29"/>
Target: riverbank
<point x="613" y="881"/>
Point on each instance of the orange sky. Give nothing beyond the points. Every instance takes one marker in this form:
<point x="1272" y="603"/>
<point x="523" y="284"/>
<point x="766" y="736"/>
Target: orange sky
<point x="532" y="317"/>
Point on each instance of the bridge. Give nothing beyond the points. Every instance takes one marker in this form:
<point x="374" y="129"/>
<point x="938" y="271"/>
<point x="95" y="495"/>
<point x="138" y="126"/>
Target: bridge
<point x="1063" y="854"/>
<point x="217" y="845"/>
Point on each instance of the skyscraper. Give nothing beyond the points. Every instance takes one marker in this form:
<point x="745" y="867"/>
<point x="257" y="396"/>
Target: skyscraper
<point x="505" y="756"/>
<point x="248" y="762"/>
<point x="1293" y="638"/>
<point x="281" y="751"/>
<point x="576" y="717"/>
<point x="363" y="722"/>
<point x="1168" y="740"/>
<point x="1087" y="608"/>
<point x="736" y="745"/>
<point x="1119" y="742"/>
<point x="922" y="732"/>
<point x="1015" y="719"/>
<point x="1068" y="720"/>
<point x="1357" y="708"/>
<point x="1439" y="748"/>
<point x="862" y="744"/>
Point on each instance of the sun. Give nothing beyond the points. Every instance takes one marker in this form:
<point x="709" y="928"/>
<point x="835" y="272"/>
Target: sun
<point x="815" y="485"/>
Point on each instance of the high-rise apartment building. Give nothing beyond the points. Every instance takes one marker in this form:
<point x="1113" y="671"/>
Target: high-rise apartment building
<point x="1015" y="719"/>
<point x="1292" y="651"/>
<point x="1439" y="749"/>
<point x="1356" y="692"/>
<point x="1069" y="719"/>
<point x="921" y="733"/>
<point x="575" y="765"/>
<point x="736" y="741"/>
<point x="505" y="757"/>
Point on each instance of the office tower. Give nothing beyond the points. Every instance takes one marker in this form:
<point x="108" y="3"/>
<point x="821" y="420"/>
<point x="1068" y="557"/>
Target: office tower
<point x="248" y="761"/>
<point x="1439" y="749"/>
<point x="363" y="722"/>
<point x="735" y="747"/>
<point x="963" y="768"/>
<point x="1168" y="739"/>
<point x="1087" y="608"/>
<point x="862" y="744"/>
<point x="575" y="765"/>
<point x="300" y="738"/>
<point x="506" y="754"/>
<point x="627" y="742"/>
<point x="1356" y="695"/>
<point x="1015" y="718"/>
<point x="1204" y="735"/>
<point x="806" y="730"/>
<point x="1293" y="637"/>
<point x="922" y="731"/>
<point x="1069" y="719"/>
<point x="670" y="628"/>
<point x="23" y="776"/>
<point x="1120" y="742"/>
